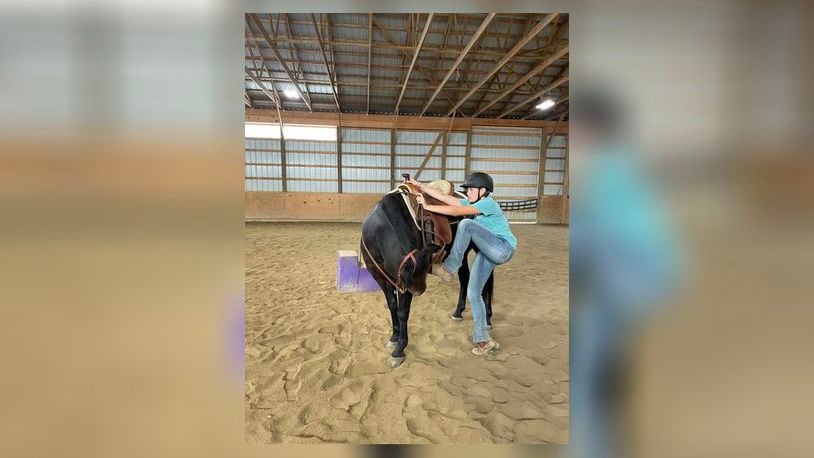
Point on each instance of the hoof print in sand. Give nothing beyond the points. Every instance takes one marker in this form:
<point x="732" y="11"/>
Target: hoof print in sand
<point x="291" y="389"/>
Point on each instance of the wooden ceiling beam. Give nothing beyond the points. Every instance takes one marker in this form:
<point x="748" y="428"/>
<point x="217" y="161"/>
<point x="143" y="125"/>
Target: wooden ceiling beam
<point x="386" y="85"/>
<point x="389" y="121"/>
<point x="460" y="59"/>
<point x="327" y="67"/>
<point x="255" y="78"/>
<point x="476" y="74"/>
<point x="523" y="41"/>
<point x="532" y="110"/>
<point x="415" y="56"/>
<point x="537" y="69"/>
<point x="262" y="88"/>
<point x="296" y="55"/>
<point x="523" y="31"/>
<point x="389" y="38"/>
<point x="484" y="52"/>
<point x="559" y="82"/>
<point x="504" y="19"/>
<point x="277" y="55"/>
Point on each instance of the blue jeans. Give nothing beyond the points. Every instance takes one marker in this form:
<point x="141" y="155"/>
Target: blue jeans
<point x="494" y="251"/>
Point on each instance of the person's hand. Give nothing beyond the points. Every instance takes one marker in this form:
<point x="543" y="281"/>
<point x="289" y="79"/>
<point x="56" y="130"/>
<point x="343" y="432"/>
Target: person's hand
<point x="420" y="200"/>
<point x="415" y="183"/>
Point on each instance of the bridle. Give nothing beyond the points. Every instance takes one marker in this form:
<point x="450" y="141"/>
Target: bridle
<point x="398" y="284"/>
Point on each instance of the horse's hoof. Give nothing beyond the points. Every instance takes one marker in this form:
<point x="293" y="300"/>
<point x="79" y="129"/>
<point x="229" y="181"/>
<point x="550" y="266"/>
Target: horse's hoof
<point x="395" y="362"/>
<point x="390" y="345"/>
<point x="457" y="318"/>
<point x="489" y="327"/>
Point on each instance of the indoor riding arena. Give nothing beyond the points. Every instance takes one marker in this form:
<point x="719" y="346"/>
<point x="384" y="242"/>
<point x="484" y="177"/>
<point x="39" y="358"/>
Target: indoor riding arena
<point x="338" y="108"/>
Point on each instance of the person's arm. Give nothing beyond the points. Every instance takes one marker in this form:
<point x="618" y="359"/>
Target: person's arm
<point x="449" y="200"/>
<point x="450" y="210"/>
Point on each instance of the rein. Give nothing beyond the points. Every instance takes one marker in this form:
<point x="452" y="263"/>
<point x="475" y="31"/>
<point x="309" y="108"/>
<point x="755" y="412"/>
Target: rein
<point x="398" y="283"/>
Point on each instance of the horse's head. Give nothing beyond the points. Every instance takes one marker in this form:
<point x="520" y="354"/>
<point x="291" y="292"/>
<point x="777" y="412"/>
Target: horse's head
<point x="415" y="275"/>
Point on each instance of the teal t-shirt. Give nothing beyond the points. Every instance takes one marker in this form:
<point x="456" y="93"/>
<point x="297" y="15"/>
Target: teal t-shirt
<point x="491" y="217"/>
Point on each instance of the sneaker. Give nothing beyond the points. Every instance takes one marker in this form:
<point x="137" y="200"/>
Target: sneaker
<point x="484" y="348"/>
<point x="443" y="274"/>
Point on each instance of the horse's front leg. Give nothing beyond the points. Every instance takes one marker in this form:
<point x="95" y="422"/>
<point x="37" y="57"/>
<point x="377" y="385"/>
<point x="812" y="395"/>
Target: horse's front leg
<point x="404" y="300"/>
<point x="392" y="305"/>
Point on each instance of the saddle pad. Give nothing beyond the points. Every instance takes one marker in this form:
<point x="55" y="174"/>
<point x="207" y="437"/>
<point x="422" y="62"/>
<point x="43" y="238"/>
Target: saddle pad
<point x="444" y="186"/>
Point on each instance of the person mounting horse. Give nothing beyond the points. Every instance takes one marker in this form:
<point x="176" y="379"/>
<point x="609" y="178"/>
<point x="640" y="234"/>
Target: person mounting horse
<point x="489" y="231"/>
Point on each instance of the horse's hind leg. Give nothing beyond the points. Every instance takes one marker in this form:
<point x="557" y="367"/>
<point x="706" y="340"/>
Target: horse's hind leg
<point x="488" y="293"/>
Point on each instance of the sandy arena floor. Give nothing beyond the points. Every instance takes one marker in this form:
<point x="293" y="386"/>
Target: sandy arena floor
<point x="316" y="364"/>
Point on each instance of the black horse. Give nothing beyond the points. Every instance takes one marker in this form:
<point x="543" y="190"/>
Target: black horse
<point x="398" y="259"/>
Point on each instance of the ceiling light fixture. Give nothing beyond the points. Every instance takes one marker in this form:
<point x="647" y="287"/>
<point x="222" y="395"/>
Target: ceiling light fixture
<point x="546" y="104"/>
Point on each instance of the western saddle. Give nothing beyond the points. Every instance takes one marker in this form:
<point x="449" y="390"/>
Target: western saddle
<point x="435" y="227"/>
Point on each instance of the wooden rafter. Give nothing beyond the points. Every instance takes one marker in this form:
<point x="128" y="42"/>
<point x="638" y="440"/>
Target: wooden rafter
<point x="532" y="111"/>
<point x="256" y="80"/>
<point x="391" y="83"/>
<point x="557" y="83"/>
<point x="460" y="59"/>
<point x="277" y="55"/>
<point x="389" y="38"/>
<point x="537" y="69"/>
<point x="333" y="56"/>
<point x="262" y="88"/>
<point x="523" y="32"/>
<point x="472" y="72"/>
<point x="473" y="18"/>
<point x="523" y="41"/>
<point x="268" y="71"/>
<point x="529" y="55"/>
<point x="327" y="67"/>
<point x="440" y="64"/>
<point x="532" y="88"/>
<point x="292" y="49"/>
<point x="486" y="76"/>
<point x="415" y="56"/>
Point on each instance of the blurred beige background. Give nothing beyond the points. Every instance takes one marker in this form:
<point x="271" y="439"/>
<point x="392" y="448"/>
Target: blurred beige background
<point x="122" y="235"/>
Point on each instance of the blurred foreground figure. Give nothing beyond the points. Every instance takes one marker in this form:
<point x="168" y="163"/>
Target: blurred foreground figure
<point x="623" y="263"/>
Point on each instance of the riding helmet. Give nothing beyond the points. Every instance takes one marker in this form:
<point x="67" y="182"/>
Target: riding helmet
<point x="479" y="180"/>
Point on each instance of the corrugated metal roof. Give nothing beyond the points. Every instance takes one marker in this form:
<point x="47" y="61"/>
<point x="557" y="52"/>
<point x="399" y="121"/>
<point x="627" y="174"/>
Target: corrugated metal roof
<point x="345" y="37"/>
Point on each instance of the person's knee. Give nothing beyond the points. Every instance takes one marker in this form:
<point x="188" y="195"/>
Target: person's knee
<point x="464" y="224"/>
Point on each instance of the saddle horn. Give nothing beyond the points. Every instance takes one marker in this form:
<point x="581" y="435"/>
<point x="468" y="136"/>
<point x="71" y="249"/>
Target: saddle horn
<point x="405" y="177"/>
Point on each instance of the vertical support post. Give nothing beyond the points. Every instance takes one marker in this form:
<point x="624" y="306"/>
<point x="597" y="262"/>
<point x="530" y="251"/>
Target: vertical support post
<point x="283" y="161"/>
<point x="541" y="174"/>
<point x="468" y="157"/>
<point x="444" y="156"/>
<point x="392" y="157"/>
<point x="566" y="197"/>
<point x="339" y="155"/>
<point x="542" y="163"/>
